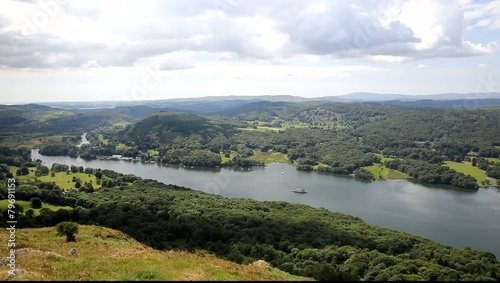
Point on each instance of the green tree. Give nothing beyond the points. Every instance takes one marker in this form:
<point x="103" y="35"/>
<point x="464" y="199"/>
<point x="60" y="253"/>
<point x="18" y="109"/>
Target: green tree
<point x="67" y="229"/>
<point x="35" y="202"/>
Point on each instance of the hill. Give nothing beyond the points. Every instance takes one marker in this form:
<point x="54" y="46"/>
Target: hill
<point x="106" y="254"/>
<point x="164" y="127"/>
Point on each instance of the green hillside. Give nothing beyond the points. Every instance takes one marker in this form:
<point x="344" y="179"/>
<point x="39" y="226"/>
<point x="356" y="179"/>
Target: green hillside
<point x="110" y="255"/>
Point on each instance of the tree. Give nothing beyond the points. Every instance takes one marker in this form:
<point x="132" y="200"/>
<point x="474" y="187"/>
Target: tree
<point x="35" y="202"/>
<point x="67" y="229"/>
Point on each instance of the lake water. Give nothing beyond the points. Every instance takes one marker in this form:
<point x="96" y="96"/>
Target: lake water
<point x="444" y="214"/>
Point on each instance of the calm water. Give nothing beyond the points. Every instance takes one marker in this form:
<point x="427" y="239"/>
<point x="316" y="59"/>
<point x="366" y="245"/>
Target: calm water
<point x="444" y="214"/>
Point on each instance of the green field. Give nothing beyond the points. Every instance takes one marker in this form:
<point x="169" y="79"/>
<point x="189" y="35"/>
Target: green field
<point x="380" y="172"/>
<point x="64" y="181"/>
<point x="496" y="160"/>
<point x="29" y="141"/>
<point x="120" y="124"/>
<point x="274" y="157"/>
<point x="226" y="159"/>
<point x="262" y="129"/>
<point x="26" y="178"/>
<point x="153" y="152"/>
<point x="102" y="139"/>
<point x="122" y="146"/>
<point x="468" y="169"/>
<point x="384" y="159"/>
<point x="26" y="205"/>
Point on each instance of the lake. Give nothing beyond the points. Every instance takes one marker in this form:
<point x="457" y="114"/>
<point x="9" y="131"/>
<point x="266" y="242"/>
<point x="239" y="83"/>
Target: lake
<point x="445" y="214"/>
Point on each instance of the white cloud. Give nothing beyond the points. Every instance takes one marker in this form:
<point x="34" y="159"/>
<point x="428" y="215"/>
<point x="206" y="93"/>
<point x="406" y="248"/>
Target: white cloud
<point x="126" y="33"/>
<point x="176" y="61"/>
<point x="421" y="66"/>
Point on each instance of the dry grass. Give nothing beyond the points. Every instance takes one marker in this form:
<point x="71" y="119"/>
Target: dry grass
<point x="105" y="254"/>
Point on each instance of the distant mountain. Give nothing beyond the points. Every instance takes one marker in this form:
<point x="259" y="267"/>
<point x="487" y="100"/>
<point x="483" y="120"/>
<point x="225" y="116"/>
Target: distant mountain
<point x="217" y="104"/>
<point x="457" y="103"/>
<point x="377" y="97"/>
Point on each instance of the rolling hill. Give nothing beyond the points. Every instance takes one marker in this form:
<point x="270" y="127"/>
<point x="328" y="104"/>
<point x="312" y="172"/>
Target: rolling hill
<point x="110" y="255"/>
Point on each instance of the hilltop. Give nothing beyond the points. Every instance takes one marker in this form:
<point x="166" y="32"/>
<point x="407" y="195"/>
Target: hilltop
<point x="106" y="254"/>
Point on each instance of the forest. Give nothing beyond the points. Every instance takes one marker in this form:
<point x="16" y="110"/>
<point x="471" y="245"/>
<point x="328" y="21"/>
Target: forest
<point x="340" y="138"/>
<point x="314" y="243"/>
<point x="336" y="138"/>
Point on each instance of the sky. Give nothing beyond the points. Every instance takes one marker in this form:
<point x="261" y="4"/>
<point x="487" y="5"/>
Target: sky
<point x="91" y="50"/>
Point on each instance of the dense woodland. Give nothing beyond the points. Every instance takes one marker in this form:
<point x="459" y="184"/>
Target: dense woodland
<point x="315" y="242"/>
<point x="338" y="138"/>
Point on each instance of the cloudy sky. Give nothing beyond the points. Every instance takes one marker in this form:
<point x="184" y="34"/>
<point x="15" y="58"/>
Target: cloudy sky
<point x="90" y="50"/>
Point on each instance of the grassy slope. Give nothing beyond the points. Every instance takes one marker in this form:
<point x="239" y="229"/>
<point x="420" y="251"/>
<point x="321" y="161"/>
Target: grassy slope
<point x="63" y="180"/>
<point x="380" y="172"/>
<point x="468" y="169"/>
<point x="496" y="160"/>
<point x="274" y="157"/>
<point x="26" y="205"/>
<point x="105" y="254"/>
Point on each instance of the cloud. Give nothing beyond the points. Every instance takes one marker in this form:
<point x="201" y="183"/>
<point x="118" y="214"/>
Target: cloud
<point x="485" y="15"/>
<point x="108" y="33"/>
<point x="421" y="66"/>
<point x="176" y="61"/>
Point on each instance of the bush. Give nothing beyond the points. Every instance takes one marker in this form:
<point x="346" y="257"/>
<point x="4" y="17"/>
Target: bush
<point x="67" y="229"/>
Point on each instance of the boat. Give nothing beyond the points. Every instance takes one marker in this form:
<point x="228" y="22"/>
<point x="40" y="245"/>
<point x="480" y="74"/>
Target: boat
<point x="299" y="191"/>
<point x="283" y="173"/>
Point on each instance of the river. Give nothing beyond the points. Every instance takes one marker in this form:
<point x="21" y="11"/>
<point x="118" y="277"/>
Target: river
<point x="445" y="214"/>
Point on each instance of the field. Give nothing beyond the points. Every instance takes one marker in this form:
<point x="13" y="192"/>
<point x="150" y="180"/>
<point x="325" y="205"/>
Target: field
<point x="265" y="126"/>
<point x="102" y="139"/>
<point x="274" y="157"/>
<point x="29" y="141"/>
<point x="26" y="178"/>
<point x="380" y="172"/>
<point x="231" y="156"/>
<point x="120" y="124"/>
<point x="122" y="146"/>
<point x="496" y="160"/>
<point x="468" y="169"/>
<point x="109" y="255"/>
<point x="153" y="152"/>
<point x="26" y="205"/>
<point x="64" y="181"/>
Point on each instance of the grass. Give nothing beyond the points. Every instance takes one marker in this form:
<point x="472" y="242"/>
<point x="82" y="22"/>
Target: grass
<point x="468" y="169"/>
<point x="64" y="181"/>
<point x="496" y="160"/>
<point x="29" y="141"/>
<point x="153" y="152"/>
<point x="30" y="178"/>
<point x="109" y="255"/>
<point x="262" y="129"/>
<point x="380" y="172"/>
<point x="384" y="159"/>
<point x="227" y="159"/>
<point x="274" y="157"/>
<point x="122" y="146"/>
<point x="26" y="205"/>
<point x="102" y="139"/>
<point x="121" y="124"/>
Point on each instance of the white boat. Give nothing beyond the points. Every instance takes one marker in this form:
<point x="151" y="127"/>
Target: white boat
<point x="299" y="191"/>
<point x="283" y="173"/>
